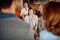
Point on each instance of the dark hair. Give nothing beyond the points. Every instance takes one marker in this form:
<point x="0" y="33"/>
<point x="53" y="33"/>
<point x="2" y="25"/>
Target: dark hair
<point x="24" y="3"/>
<point x="5" y="3"/>
<point x="30" y="8"/>
<point x="51" y="16"/>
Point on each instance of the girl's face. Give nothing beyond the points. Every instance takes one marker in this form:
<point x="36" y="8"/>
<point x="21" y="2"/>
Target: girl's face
<point x="25" y="5"/>
<point x="30" y="12"/>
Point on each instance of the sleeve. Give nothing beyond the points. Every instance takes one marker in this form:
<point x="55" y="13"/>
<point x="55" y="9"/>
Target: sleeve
<point x="36" y="22"/>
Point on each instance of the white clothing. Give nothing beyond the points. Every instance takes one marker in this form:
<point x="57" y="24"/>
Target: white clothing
<point x="24" y="11"/>
<point x="33" y="20"/>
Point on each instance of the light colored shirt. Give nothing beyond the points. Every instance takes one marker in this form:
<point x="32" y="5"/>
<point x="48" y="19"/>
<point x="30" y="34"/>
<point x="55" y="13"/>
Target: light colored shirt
<point x="24" y="11"/>
<point x="32" y="20"/>
<point x="45" y="35"/>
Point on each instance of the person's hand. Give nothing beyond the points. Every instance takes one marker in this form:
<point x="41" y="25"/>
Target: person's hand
<point x="24" y="15"/>
<point x="35" y="34"/>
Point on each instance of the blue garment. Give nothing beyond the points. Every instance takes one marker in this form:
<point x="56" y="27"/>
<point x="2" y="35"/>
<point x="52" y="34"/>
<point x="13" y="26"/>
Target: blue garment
<point x="45" y="35"/>
<point x="3" y="15"/>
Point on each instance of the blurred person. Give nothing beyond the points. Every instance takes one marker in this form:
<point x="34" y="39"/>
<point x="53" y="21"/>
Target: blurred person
<point x="40" y="8"/>
<point x="40" y="20"/>
<point x="11" y="27"/>
<point x="32" y="19"/>
<point x="51" y="17"/>
<point x="24" y="10"/>
<point x="38" y="13"/>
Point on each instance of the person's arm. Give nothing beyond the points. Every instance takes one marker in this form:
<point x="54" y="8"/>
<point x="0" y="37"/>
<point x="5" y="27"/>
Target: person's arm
<point x="36" y="22"/>
<point x="21" y="13"/>
<point x="35" y="30"/>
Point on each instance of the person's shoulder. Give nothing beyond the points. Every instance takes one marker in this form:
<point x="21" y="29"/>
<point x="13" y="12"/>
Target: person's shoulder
<point x="14" y="22"/>
<point x="23" y="9"/>
<point x="47" y="35"/>
<point x="36" y="16"/>
<point x="21" y="23"/>
<point x="17" y="21"/>
<point x="15" y="27"/>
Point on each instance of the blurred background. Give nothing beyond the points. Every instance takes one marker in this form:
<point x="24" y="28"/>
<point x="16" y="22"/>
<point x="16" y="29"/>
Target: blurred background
<point x="32" y="3"/>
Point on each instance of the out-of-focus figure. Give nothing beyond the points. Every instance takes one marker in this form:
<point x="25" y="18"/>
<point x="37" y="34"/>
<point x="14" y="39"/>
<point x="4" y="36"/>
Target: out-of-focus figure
<point x="51" y="17"/>
<point x="32" y="19"/>
<point x="38" y="11"/>
<point x="11" y="27"/>
<point x="24" y="10"/>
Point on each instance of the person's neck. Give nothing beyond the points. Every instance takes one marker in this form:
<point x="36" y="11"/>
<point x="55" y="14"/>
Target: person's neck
<point x="31" y="15"/>
<point x="8" y="11"/>
<point x="26" y="7"/>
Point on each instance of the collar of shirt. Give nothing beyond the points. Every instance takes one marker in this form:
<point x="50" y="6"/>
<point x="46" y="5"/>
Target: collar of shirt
<point x="4" y="15"/>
